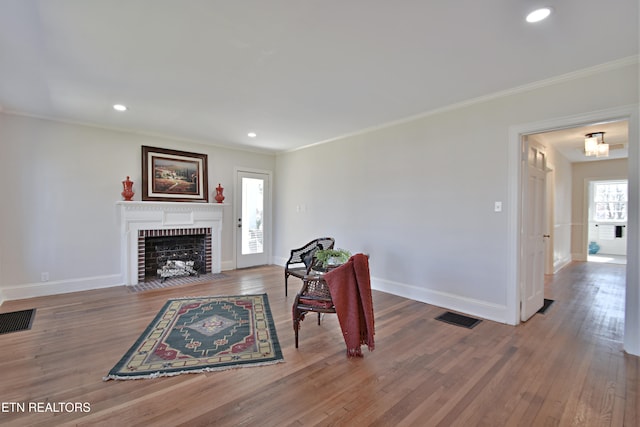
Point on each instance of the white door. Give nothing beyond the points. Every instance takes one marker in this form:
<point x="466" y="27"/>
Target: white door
<point x="549" y="220"/>
<point x="532" y="233"/>
<point x="252" y="208"/>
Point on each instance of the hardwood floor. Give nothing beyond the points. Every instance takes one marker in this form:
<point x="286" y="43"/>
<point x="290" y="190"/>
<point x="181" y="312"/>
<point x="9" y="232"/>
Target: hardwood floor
<point x="563" y="368"/>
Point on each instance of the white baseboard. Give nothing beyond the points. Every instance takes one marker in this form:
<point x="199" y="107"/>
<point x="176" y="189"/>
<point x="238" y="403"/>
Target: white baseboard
<point x="32" y="290"/>
<point x="281" y="261"/>
<point x="448" y="301"/>
<point x="231" y="265"/>
<point x="227" y="265"/>
<point x="560" y="264"/>
<point x="579" y="257"/>
<point x="483" y="309"/>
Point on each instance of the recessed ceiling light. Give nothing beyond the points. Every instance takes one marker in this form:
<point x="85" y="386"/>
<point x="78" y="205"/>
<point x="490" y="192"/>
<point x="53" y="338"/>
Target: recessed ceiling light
<point x="539" y="14"/>
<point x="120" y="107"/>
<point x="252" y="135"/>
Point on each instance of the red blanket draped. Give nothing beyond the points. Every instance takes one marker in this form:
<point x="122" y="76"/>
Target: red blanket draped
<point x="350" y="288"/>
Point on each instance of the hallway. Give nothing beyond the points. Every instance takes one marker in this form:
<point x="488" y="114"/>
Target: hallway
<point x="590" y="297"/>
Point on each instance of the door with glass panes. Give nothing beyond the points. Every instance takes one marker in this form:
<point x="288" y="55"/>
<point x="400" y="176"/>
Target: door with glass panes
<point x="252" y="218"/>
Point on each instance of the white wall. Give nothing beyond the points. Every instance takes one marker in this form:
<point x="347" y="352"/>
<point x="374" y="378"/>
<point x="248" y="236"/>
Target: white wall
<point x="60" y="185"/>
<point x="607" y="242"/>
<point x="583" y="173"/>
<point x="419" y="196"/>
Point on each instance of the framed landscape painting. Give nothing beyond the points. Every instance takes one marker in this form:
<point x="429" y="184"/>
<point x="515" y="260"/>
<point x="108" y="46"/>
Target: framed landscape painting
<point x="173" y="176"/>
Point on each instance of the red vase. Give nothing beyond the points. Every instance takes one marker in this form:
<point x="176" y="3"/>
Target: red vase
<point x="127" y="193"/>
<point x="219" y="197"/>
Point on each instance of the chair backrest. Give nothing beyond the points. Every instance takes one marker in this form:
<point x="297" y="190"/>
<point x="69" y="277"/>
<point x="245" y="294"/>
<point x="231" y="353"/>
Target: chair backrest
<point x="305" y="254"/>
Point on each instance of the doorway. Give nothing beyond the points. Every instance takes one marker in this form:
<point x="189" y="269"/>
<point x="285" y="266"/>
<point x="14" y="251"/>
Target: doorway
<point x="515" y="185"/>
<point x="596" y="218"/>
<point x="252" y="208"/>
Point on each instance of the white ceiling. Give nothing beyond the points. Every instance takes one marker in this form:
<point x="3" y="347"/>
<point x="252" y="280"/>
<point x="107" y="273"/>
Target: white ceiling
<point x="296" y="72"/>
<point x="570" y="142"/>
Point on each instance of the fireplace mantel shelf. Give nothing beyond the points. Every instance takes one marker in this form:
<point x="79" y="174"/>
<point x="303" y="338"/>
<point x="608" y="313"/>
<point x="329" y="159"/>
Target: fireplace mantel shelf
<point x="135" y="216"/>
<point x="137" y="204"/>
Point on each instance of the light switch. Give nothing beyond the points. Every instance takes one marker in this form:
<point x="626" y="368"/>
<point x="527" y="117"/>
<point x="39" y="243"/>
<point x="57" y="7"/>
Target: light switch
<point x="498" y="207"/>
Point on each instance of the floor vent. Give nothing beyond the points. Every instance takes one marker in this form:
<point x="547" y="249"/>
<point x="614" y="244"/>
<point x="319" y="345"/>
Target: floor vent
<point x="545" y="307"/>
<point x="16" y="321"/>
<point x="458" y="320"/>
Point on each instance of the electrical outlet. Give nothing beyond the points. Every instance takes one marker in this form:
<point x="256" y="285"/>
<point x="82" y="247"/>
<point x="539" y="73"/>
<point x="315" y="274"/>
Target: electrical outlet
<point x="44" y="277"/>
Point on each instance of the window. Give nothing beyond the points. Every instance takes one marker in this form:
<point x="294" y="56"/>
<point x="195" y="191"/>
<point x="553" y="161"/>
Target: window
<point x="610" y="201"/>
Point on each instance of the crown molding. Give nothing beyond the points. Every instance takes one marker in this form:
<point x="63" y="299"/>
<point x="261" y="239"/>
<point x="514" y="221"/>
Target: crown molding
<point x="585" y="72"/>
<point x="139" y="132"/>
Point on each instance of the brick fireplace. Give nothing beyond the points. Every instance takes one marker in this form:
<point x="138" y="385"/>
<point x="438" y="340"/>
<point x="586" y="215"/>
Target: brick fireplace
<point x="140" y="221"/>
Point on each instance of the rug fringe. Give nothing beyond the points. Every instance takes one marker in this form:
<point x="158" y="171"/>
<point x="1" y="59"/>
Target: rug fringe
<point x="219" y="296"/>
<point x="194" y="371"/>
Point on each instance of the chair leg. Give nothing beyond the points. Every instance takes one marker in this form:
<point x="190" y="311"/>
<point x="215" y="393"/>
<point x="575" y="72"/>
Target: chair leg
<point x="319" y="318"/>
<point x="286" y="277"/>
<point x="296" y="326"/>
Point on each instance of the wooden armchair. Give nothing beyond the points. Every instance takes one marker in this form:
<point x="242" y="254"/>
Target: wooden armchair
<point x="301" y="259"/>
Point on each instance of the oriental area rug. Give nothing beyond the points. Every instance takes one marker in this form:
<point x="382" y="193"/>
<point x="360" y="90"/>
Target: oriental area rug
<point x="202" y="334"/>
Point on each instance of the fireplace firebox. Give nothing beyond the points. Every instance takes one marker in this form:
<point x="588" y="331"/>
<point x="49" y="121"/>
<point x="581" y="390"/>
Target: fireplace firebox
<point x="177" y="252"/>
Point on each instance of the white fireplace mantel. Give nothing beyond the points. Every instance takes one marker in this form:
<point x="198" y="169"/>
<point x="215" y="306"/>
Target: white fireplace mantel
<point x="135" y="216"/>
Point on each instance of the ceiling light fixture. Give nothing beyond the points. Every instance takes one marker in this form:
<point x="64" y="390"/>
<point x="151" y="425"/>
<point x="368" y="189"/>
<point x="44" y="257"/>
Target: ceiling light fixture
<point x="539" y="14"/>
<point x="252" y="135"/>
<point x="120" y="107"/>
<point x="594" y="145"/>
